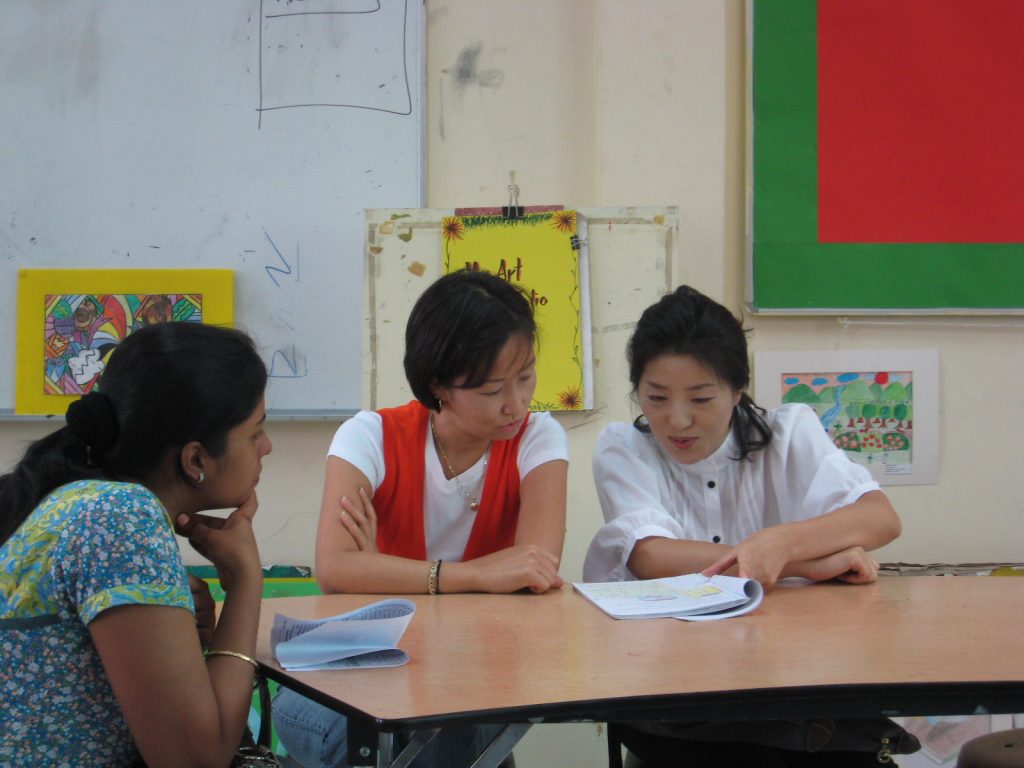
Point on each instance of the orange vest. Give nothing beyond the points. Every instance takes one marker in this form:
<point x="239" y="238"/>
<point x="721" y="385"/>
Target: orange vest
<point x="398" y="501"/>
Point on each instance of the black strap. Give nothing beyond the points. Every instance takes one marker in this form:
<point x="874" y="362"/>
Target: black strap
<point x="264" y="689"/>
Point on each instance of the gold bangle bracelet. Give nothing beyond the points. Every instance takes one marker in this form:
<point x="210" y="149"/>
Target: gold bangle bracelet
<point x="435" y="569"/>
<point x="235" y="654"/>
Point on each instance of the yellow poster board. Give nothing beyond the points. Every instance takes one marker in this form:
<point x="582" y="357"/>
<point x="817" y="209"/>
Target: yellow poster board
<point x="544" y="254"/>
<point x="71" y="320"/>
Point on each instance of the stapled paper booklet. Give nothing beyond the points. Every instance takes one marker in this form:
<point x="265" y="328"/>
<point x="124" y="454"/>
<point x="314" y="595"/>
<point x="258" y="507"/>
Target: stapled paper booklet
<point x="693" y="597"/>
<point x="365" y="637"/>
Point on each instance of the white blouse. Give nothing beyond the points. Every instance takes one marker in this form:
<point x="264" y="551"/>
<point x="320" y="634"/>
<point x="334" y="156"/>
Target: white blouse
<point x="643" y="492"/>
<point x="447" y="518"/>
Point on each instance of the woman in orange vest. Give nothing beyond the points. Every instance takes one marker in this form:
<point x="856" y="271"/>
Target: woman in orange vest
<point x="461" y="490"/>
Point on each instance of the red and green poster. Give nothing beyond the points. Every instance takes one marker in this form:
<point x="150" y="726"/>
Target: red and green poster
<point x="888" y="162"/>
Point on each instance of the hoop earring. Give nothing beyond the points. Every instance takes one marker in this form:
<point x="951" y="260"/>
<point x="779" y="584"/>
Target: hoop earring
<point x="202" y="476"/>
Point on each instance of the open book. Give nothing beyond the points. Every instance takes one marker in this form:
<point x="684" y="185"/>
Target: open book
<point x="693" y="597"/>
<point x="365" y="637"/>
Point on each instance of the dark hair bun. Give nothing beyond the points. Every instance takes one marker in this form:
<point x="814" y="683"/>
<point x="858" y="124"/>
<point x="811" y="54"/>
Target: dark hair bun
<point x="93" y="420"/>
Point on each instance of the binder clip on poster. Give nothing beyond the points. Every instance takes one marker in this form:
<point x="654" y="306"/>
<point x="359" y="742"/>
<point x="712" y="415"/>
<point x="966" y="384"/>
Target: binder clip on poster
<point x="513" y="210"/>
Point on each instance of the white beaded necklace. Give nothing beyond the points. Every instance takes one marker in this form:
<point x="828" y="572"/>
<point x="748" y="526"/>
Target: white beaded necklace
<point x="472" y="498"/>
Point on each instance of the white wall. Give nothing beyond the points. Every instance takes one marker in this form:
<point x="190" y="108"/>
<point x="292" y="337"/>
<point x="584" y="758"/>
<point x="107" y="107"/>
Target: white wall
<point x="623" y="102"/>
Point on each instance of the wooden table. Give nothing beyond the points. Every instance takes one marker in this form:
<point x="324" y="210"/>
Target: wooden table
<point x="902" y="646"/>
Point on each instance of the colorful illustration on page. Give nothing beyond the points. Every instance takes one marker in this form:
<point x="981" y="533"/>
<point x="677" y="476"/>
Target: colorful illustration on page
<point x="869" y="415"/>
<point x="943" y="736"/>
<point x="83" y="329"/>
<point x="539" y="253"/>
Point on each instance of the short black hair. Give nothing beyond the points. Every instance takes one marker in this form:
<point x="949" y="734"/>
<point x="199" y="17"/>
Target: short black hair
<point x="458" y="328"/>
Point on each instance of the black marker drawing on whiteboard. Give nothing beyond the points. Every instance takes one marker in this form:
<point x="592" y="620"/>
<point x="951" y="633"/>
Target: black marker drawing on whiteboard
<point x="287" y="363"/>
<point x="287" y="269"/>
<point x="327" y="57"/>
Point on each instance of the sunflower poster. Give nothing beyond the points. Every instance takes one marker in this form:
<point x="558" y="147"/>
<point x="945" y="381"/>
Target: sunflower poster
<point x="544" y="253"/>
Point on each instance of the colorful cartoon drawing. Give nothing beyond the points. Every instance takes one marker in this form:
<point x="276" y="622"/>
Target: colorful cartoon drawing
<point x="71" y="320"/>
<point x="83" y="329"/>
<point x="869" y="415"/>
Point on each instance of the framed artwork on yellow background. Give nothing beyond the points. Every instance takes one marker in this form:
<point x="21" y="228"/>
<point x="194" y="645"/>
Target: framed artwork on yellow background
<point x="71" y="320"/>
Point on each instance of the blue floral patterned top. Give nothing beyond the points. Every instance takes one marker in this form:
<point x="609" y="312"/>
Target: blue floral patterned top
<point x="89" y="546"/>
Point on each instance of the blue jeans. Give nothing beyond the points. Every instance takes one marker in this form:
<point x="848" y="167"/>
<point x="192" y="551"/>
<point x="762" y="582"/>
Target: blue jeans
<point x="317" y="736"/>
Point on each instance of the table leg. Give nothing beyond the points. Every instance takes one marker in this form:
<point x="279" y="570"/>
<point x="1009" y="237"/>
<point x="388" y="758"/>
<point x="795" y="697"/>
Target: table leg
<point x="363" y="744"/>
<point x="417" y="742"/>
<point x="385" y="749"/>
<point x="369" y="749"/>
<point x="501" y="746"/>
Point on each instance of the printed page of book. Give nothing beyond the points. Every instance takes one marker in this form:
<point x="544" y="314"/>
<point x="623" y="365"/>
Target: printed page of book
<point x="690" y="595"/>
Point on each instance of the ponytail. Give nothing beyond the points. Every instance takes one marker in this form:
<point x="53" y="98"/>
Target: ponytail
<point x="749" y="427"/>
<point x="50" y="462"/>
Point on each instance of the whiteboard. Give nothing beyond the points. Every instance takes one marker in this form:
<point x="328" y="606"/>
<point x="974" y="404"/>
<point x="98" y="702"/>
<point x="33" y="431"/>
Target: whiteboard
<point x="248" y="135"/>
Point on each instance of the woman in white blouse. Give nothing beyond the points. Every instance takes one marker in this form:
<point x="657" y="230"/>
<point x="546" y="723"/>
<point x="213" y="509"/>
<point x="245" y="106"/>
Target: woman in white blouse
<point x="705" y="480"/>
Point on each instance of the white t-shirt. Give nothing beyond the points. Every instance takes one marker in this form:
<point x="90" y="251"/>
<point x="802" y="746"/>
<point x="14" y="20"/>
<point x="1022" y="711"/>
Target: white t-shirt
<point x="643" y="492"/>
<point x="447" y="518"/>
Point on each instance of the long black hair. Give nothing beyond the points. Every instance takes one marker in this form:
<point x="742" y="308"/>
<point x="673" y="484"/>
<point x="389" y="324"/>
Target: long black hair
<point x="686" y="322"/>
<point x="164" y="386"/>
<point x="457" y="329"/>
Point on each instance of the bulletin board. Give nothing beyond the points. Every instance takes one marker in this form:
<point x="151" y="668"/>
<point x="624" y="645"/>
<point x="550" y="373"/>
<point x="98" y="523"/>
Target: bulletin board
<point x="245" y="136"/>
<point x="886" y="166"/>
<point x="631" y="252"/>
